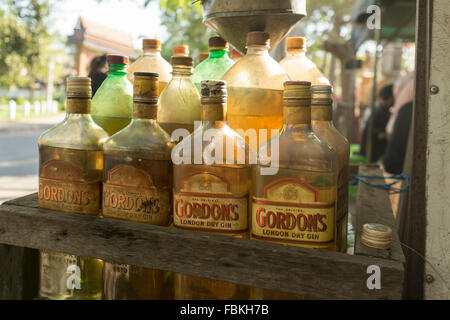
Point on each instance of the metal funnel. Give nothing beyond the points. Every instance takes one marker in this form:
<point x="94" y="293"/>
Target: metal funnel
<point x="233" y="19"/>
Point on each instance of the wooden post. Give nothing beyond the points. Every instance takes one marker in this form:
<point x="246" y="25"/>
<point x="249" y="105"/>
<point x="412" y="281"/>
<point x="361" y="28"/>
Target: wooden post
<point x="412" y="222"/>
<point x="19" y="273"/>
<point x="437" y="179"/>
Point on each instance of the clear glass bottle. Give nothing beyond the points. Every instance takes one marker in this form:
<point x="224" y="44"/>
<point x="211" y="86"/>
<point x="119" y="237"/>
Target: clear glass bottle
<point x="322" y="124"/>
<point x="138" y="187"/>
<point x="179" y="103"/>
<point x="255" y="83"/>
<point x="112" y="105"/>
<point x="70" y="175"/>
<point x="296" y="206"/>
<point x="297" y="64"/>
<point x="216" y="65"/>
<point x="211" y="192"/>
<point x="152" y="61"/>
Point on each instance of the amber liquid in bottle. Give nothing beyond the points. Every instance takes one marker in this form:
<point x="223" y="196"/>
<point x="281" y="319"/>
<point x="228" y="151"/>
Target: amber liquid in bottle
<point x="60" y="274"/>
<point x="70" y="175"/>
<point x="295" y="206"/>
<point x="137" y="187"/>
<point x="322" y="124"/>
<point x="212" y="198"/>
<point x="251" y="108"/>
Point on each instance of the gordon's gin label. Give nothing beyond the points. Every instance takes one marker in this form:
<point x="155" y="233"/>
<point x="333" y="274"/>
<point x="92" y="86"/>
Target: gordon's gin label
<point x="130" y="194"/>
<point x="205" y="203"/>
<point x="293" y="211"/>
<point x="63" y="187"/>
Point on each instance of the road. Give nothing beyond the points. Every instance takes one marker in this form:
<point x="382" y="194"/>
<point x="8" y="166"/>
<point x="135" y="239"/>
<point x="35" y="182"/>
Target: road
<point x="19" y="156"/>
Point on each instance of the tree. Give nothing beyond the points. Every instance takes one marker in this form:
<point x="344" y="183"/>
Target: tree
<point x="183" y="22"/>
<point x="25" y="42"/>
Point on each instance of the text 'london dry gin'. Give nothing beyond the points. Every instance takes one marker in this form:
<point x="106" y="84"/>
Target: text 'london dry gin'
<point x="211" y="193"/>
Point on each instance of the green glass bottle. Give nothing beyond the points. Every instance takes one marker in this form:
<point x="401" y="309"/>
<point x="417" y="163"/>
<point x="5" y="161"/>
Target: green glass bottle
<point x="216" y="65"/>
<point x="112" y="105"/>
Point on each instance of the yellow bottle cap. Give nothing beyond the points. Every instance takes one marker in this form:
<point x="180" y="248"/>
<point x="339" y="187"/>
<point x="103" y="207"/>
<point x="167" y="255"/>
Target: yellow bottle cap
<point x="293" y="43"/>
<point x="376" y="236"/>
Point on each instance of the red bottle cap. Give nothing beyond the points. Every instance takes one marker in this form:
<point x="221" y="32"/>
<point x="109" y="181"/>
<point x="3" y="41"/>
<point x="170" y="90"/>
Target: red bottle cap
<point x="117" y="59"/>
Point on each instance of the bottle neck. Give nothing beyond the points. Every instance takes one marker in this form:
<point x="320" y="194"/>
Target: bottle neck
<point x="213" y="110"/>
<point x="217" y="53"/>
<point x="144" y="110"/>
<point x="78" y="105"/>
<point x="258" y="50"/>
<point x="322" y="112"/>
<point x="297" y="112"/>
<point x="117" y="69"/>
<point x="296" y="52"/>
<point x="182" y="71"/>
<point x="152" y="52"/>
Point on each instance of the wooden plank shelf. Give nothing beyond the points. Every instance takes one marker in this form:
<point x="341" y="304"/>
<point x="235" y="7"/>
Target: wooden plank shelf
<point x="308" y="272"/>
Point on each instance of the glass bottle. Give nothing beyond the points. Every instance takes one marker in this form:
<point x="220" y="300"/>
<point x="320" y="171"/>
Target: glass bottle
<point x="295" y="206"/>
<point x="138" y="187"/>
<point x="255" y="83"/>
<point x="112" y="104"/>
<point x="181" y="51"/>
<point x="151" y="61"/>
<point x="304" y="187"/>
<point x="216" y="65"/>
<point x="179" y="103"/>
<point x="70" y="174"/>
<point x="211" y="192"/>
<point x="202" y="56"/>
<point x="322" y="124"/>
<point x="297" y="64"/>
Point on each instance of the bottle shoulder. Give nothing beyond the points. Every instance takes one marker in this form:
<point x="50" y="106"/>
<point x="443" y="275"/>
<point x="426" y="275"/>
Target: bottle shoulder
<point x="297" y="149"/>
<point x="219" y="146"/>
<point x="179" y="102"/>
<point x="82" y="133"/>
<point x="212" y="69"/>
<point x="142" y="137"/>
<point x="260" y="71"/>
<point x="334" y="138"/>
<point x="151" y="64"/>
<point x="302" y="68"/>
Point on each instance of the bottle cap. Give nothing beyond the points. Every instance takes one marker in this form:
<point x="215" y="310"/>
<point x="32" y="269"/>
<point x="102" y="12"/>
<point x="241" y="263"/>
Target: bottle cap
<point x="117" y="59"/>
<point x="151" y="44"/>
<point x="78" y="87"/>
<point x="258" y="38"/>
<point x="293" y="43"/>
<point x="297" y="90"/>
<point x="217" y="43"/>
<point x="181" y="61"/>
<point x="214" y="89"/>
<point x="214" y="96"/>
<point x="321" y="95"/>
<point x="376" y="236"/>
<point x="202" y="56"/>
<point x="181" y="50"/>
